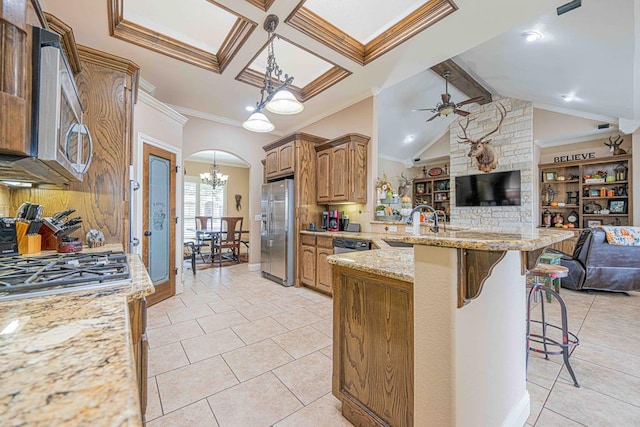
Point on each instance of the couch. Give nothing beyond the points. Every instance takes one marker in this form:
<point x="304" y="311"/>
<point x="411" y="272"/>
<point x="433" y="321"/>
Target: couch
<point x="597" y="265"/>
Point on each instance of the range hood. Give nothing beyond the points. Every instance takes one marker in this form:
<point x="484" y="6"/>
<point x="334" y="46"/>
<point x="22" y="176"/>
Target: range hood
<point x="61" y="149"/>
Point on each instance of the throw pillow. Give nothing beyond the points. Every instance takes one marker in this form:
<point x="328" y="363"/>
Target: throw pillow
<point x="622" y="236"/>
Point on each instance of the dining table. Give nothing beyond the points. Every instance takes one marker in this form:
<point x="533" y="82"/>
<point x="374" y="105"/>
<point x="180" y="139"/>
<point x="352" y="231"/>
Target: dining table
<point x="209" y="234"/>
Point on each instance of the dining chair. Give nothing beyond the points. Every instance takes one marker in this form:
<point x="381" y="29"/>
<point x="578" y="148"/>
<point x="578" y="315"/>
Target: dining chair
<point x="202" y="239"/>
<point x="229" y="238"/>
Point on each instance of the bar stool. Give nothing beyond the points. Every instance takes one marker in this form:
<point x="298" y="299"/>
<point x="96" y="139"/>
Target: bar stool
<point x="569" y="340"/>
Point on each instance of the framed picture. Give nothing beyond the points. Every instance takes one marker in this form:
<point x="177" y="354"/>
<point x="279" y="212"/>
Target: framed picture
<point x="589" y="223"/>
<point x="549" y="176"/>
<point x="594" y="193"/>
<point x="617" y="206"/>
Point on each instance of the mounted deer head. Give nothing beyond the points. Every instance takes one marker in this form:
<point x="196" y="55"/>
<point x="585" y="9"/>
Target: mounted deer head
<point x="614" y="146"/>
<point x="481" y="149"/>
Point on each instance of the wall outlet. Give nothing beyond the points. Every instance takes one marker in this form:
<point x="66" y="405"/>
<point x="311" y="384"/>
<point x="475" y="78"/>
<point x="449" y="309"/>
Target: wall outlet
<point x="393" y="228"/>
<point x="258" y="218"/>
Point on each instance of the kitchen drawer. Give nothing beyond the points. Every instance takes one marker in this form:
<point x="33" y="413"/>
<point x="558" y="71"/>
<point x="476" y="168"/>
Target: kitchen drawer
<point x="324" y="242"/>
<point x="308" y="240"/>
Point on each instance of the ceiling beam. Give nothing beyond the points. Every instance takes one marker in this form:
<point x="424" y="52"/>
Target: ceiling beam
<point x="462" y="80"/>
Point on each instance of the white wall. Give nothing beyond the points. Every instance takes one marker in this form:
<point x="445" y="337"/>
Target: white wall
<point x="200" y="134"/>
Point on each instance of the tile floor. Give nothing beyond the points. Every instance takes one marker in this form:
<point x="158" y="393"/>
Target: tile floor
<point x="238" y="350"/>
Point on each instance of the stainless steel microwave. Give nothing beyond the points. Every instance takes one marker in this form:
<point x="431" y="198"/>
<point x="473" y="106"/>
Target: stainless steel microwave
<point x="61" y="148"/>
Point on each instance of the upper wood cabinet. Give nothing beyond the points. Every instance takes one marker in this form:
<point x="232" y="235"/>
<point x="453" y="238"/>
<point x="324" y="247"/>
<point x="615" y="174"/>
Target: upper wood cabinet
<point x="280" y="161"/>
<point x="341" y="172"/>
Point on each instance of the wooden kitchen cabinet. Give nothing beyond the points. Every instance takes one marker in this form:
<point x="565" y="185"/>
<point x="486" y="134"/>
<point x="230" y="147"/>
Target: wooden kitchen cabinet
<point x="280" y="161"/>
<point x="138" y="321"/>
<point x="315" y="271"/>
<point x="341" y="173"/>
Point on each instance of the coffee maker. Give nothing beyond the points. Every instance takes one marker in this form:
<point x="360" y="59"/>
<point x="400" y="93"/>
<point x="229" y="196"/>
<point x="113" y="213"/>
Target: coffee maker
<point x="344" y="221"/>
<point x="334" y="221"/>
<point x="325" y="220"/>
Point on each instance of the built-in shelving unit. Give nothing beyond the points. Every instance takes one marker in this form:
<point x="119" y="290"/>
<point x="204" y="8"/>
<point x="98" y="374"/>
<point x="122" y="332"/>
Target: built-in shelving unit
<point x="587" y="192"/>
<point x="433" y="191"/>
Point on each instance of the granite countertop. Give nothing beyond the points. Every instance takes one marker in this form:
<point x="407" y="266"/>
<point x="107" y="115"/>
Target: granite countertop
<point x="67" y="359"/>
<point x="397" y="263"/>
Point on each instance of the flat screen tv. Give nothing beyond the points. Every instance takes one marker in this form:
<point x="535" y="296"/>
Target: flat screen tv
<point x="489" y="189"/>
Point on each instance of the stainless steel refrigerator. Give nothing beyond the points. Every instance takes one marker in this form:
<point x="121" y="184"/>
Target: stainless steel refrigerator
<point x="277" y="232"/>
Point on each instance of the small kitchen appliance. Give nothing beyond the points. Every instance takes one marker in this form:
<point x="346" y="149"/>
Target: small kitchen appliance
<point x="325" y="220"/>
<point x="8" y="238"/>
<point x="344" y="221"/>
<point x="334" y="221"/>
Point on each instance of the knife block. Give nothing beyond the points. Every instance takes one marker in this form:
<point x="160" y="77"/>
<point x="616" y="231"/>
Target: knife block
<point x="49" y="240"/>
<point x="27" y="243"/>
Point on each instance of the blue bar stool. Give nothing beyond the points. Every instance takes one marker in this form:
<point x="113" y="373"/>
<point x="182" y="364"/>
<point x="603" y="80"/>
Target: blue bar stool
<point x="569" y="340"/>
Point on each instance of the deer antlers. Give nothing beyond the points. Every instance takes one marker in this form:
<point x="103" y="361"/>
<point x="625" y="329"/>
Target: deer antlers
<point x="480" y="148"/>
<point x="614" y="146"/>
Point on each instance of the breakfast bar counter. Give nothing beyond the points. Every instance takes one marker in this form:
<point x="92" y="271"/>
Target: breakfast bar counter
<point x="68" y="359"/>
<point x="435" y="335"/>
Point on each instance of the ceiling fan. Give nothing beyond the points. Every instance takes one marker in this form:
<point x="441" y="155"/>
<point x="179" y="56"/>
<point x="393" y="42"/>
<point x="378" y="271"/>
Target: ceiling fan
<point x="447" y="107"/>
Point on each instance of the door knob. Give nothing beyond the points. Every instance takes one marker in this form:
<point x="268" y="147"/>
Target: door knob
<point x="147" y="233"/>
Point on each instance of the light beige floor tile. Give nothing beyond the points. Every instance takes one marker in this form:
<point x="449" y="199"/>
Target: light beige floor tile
<point x="193" y="299"/>
<point x="293" y="303"/>
<point x="189" y="313"/>
<point x="268" y="399"/>
<point x="309" y="378"/>
<point x="296" y="319"/>
<point x="549" y="418"/>
<point x="328" y="351"/>
<point x="195" y="415"/>
<point x="604" y="356"/>
<point x="229" y="304"/>
<point x="261" y="296"/>
<point x="170" y="334"/>
<point x="538" y="396"/>
<point x="625" y="344"/>
<point x="183" y="386"/>
<point x="620" y="325"/>
<point x="154" y="409"/>
<point x="325" y="326"/>
<point x="255" y="359"/>
<point x="166" y="358"/>
<point x="604" y="380"/>
<point x="259" y="330"/>
<point x="316" y="297"/>
<point x="541" y="371"/>
<point x="324" y="412"/>
<point x="227" y="293"/>
<point x="221" y="321"/>
<point x="302" y="341"/>
<point x="166" y="305"/>
<point x="211" y="344"/>
<point x="259" y="311"/>
<point x="590" y="407"/>
<point x="157" y="319"/>
<point x="322" y="309"/>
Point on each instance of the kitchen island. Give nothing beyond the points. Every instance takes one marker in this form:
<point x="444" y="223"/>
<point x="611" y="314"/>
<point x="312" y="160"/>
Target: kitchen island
<point x="435" y="335"/>
<point x="68" y="359"/>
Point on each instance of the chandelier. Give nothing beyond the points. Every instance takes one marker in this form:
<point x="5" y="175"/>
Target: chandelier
<point x="214" y="178"/>
<point x="273" y="95"/>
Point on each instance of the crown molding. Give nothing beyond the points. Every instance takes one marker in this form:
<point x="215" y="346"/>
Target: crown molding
<point x="146" y="86"/>
<point x="162" y="107"/>
<point x="213" y="118"/>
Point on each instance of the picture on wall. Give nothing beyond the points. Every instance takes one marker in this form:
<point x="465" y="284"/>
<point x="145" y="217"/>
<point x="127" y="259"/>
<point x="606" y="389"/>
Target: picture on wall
<point x="590" y="223"/>
<point x="617" y="206"/>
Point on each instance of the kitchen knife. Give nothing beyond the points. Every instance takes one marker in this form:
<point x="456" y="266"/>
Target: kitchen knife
<point x="32" y="212"/>
<point x="60" y="215"/>
<point x="34" y="227"/>
<point x="72" y="221"/>
<point x="22" y="210"/>
<point x="66" y="231"/>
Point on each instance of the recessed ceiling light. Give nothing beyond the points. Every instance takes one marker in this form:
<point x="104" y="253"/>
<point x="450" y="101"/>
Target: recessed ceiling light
<point x="532" y="36"/>
<point x="409" y="138"/>
<point x="250" y="108"/>
<point x="569" y="97"/>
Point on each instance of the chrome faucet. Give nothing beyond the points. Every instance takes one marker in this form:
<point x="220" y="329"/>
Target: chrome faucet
<point x="418" y="209"/>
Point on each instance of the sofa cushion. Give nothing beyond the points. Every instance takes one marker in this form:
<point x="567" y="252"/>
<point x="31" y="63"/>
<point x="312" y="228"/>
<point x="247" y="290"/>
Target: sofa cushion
<point x="622" y="236"/>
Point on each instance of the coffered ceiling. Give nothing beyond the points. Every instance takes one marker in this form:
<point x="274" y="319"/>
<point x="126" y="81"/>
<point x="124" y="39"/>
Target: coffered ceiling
<point x="208" y="56"/>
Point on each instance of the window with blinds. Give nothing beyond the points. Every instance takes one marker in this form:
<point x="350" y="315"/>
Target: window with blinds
<point x="201" y="200"/>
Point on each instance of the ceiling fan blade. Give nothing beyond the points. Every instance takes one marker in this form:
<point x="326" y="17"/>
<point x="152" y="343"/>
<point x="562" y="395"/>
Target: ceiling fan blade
<point x="433" y="117"/>
<point x="424" y="109"/>
<point x="461" y="112"/>
<point x="470" y="101"/>
<point x="446" y="98"/>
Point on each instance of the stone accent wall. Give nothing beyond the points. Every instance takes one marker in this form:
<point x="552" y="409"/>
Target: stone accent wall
<point x="514" y="147"/>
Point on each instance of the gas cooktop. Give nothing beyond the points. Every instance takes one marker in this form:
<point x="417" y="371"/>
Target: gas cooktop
<point x="25" y="277"/>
